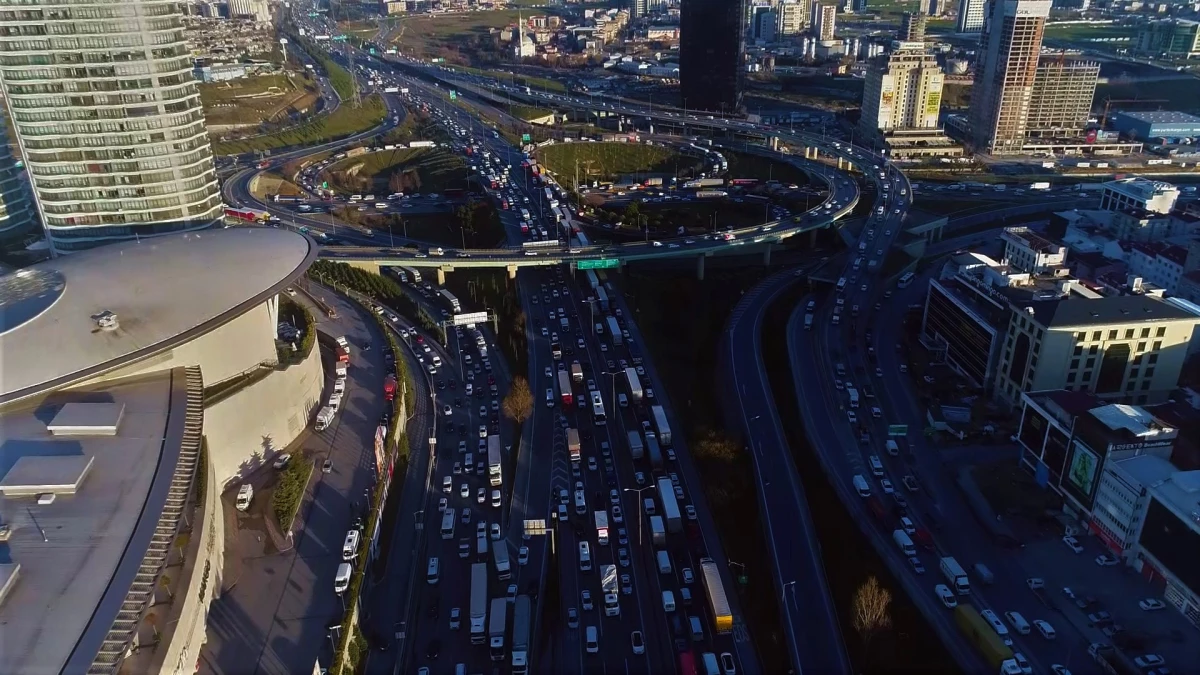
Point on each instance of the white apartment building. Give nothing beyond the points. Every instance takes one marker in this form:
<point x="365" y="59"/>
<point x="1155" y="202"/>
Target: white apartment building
<point x="971" y="15"/>
<point x="1158" y="264"/>
<point x="108" y="119"/>
<point x="1139" y="193"/>
<point x="791" y="18"/>
<point x="1027" y="251"/>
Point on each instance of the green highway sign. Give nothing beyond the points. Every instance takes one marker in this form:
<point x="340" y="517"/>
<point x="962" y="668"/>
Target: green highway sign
<point x="324" y="185"/>
<point x="525" y="138"/>
<point x="895" y="430"/>
<point x="453" y="95"/>
<point x="602" y="264"/>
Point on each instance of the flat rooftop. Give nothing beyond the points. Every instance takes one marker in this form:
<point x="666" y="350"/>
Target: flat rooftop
<point x="161" y="292"/>
<point x="1161" y="116"/>
<point x="70" y="550"/>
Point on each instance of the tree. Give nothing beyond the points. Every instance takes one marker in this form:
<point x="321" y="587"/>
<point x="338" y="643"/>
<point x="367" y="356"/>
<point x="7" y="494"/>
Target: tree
<point x="715" y="446"/>
<point x="871" y="603"/>
<point x="518" y="403"/>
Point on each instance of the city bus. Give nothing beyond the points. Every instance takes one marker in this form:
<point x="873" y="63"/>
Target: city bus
<point x="448" y="518"/>
<point x="598" y="409"/>
<point x="906" y="280"/>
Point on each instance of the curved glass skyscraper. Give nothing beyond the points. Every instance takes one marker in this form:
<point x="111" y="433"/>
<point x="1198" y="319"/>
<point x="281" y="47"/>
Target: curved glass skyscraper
<point x="108" y="118"/>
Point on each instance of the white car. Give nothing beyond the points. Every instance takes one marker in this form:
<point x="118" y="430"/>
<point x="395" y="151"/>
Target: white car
<point x="1151" y="604"/>
<point x="1045" y="629"/>
<point x="946" y="596"/>
<point x="1105" y="560"/>
<point x="887" y="486"/>
<point x="639" y="645"/>
<point x="1073" y="544"/>
<point x="523" y="555"/>
<point x="495" y="531"/>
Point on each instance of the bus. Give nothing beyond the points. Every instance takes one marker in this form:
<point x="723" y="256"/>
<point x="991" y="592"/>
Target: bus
<point x="906" y="280"/>
<point x="598" y="409"/>
<point x="448" y="519"/>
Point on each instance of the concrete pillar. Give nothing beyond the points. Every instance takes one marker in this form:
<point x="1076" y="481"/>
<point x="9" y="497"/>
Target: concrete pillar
<point x="767" y="255"/>
<point x="700" y="267"/>
<point x="512" y="271"/>
<point x="812" y="238"/>
<point x="441" y="276"/>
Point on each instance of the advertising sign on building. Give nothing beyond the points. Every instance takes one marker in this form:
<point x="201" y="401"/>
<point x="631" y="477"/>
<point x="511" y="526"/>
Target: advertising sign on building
<point x="380" y="435"/>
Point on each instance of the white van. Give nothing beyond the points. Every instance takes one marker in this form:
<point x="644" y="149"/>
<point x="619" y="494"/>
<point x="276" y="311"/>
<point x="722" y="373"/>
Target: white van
<point x="668" y="601"/>
<point x="664" y="562"/>
<point x="860" y="485"/>
<point x="341" y="581"/>
<point x="1018" y="622"/>
<point x="905" y="544"/>
<point x="339" y="387"/>
<point x="585" y="556"/>
<point x="244" y="497"/>
<point x="876" y="466"/>
<point x="432" y="572"/>
<point x="709" y="660"/>
<point x="350" y="546"/>
<point x="447" y="484"/>
<point x="340" y="371"/>
<point x="593" y="646"/>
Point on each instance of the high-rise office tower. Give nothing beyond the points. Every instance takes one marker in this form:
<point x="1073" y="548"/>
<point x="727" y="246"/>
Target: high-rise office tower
<point x="16" y="211"/>
<point x="824" y="21"/>
<point x="858" y="6"/>
<point x="935" y="7"/>
<point x="711" y="44"/>
<point x="1005" y="73"/>
<point x="766" y="26"/>
<point x="108" y="118"/>
<point x="791" y="18"/>
<point x="912" y="27"/>
<point x="971" y="15"/>
<point x="902" y="90"/>
<point x="638" y="8"/>
<point x="1062" y="97"/>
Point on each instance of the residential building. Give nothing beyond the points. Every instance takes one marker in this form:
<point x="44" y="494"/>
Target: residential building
<point x="1154" y="196"/>
<point x="1062" y="98"/>
<point x="1177" y="38"/>
<point x="935" y="7"/>
<point x="1004" y="77"/>
<point x="711" y="48"/>
<point x="902" y="90"/>
<point x="255" y="10"/>
<point x="791" y="18"/>
<point x="638" y="8"/>
<point x="123" y="152"/>
<point x="1162" y="265"/>
<point x="965" y="324"/>
<point x="824" y="21"/>
<point x="971" y="15"/>
<point x="912" y="27"/>
<point x="17" y="218"/>
<point x="1028" y="251"/>
<point x="766" y="25"/>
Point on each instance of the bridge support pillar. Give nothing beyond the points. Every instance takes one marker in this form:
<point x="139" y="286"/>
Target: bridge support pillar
<point x="700" y="267"/>
<point x="767" y="255"/>
<point x="441" y="275"/>
<point x="512" y="271"/>
<point x="812" y="238"/>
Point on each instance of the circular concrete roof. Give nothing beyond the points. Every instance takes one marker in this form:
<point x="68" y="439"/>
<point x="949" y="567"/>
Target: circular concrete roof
<point x="162" y="292"/>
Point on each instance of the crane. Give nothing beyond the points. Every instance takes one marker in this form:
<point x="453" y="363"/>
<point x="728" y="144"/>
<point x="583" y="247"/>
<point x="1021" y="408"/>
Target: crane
<point x="1110" y="100"/>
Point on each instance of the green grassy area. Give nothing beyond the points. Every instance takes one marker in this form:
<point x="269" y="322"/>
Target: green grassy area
<point x="254" y="100"/>
<point x="1083" y="32"/>
<point x="458" y="38"/>
<point x="696" y="217"/>
<point x="606" y="161"/>
<point x="339" y="78"/>
<point x="289" y="491"/>
<point x="343" y="122"/>
<point x="527" y="113"/>
<point x="422" y="170"/>
<point x="517" y="79"/>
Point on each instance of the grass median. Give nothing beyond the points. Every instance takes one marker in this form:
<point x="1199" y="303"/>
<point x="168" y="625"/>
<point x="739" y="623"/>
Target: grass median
<point x="289" y="491"/>
<point x="608" y="161"/>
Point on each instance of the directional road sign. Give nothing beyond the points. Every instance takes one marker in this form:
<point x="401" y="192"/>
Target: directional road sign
<point x="601" y="264"/>
<point x="471" y="318"/>
<point x="895" y="430"/>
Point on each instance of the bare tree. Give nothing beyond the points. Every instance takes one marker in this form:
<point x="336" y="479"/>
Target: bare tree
<point x="871" y="603"/>
<point x="518" y="403"/>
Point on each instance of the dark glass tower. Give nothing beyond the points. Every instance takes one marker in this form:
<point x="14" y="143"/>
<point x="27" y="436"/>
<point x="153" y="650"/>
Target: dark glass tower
<point x="711" y="43"/>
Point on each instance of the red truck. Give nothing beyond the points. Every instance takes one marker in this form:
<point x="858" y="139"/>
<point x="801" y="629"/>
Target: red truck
<point x="343" y="355"/>
<point x="389" y="388"/>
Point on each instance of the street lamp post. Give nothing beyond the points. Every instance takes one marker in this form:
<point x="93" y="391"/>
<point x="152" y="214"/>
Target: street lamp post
<point x="641" y="515"/>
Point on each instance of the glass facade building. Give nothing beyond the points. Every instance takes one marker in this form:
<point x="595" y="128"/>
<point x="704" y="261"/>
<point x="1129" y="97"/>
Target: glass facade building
<point x="711" y="43"/>
<point x="108" y="118"/>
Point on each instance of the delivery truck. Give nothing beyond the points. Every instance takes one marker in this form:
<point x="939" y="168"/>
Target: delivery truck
<point x="660" y="424"/>
<point x="656" y="459"/>
<point x="611" y="587"/>
<point x="956" y="575"/>
<point x="666" y="494"/>
<point x="324" y="418"/>
<point x="479" y="581"/>
<point x="501" y="560"/>
<point x="495" y="475"/>
<point x="658" y="531"/>
<point x="635" y="384"/>
<point x="564" y="388"/>
<point x="602" y="527"/>
<point x="573" y="444"/>
<point x="522" y="616"/>
<point x="635" y="444"/>
<point x="614" y="329"/>
<point x="576" y="372"/>
<point x="718" y="604"/>
<point x="496" y="628"/>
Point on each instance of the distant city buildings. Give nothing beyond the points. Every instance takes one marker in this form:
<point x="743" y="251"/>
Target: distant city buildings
<point x="824" y="22"/>
<point x="255" y="10"/>
<point x="912" y="27"/>
<point x="971" y="15"/>
<point x="791" y="18"/>
<point x="902" y="90"/>
<point x="935" y="7"/>
<point x="1175" y="38"/>
<point x="113" y="162"/>
<point x="711" y="48"/>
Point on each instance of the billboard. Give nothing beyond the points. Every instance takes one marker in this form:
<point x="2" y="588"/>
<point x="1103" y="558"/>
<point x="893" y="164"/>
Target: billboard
<point x="469" y="319"/>
<point x="1082" y="474"/>
<point x="380" y="435"/>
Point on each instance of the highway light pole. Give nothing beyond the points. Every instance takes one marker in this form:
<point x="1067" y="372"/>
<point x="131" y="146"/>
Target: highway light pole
<point x="641" y="516"/>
